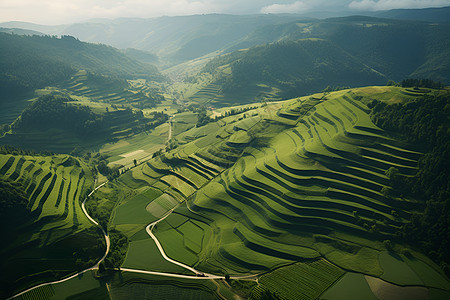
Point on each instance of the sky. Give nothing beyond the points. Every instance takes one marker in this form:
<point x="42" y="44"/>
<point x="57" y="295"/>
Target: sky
<point x="52" y="12"/>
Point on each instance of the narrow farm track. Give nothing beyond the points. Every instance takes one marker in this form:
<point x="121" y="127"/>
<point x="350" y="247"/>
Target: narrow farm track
<point x="198" y="274"/>
<point x="160" y="248"/>
<point x="170" y="129"/>
<point x="108" y="242"/>
<point x="172" y="274"/>
<point x="88" y="269"/>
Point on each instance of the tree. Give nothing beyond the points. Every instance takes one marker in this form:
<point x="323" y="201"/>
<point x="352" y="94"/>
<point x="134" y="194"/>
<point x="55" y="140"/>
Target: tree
<point x="386" y="191"/>
<point x="388" y="245"/>
<point x="135" y="162"/>
<point x="392" y="173"/>
<point x="101" y="267"/>
<point x="391" y="83"/>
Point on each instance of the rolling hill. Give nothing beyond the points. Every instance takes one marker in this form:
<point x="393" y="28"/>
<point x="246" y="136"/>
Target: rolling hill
<point x="54" y="237"/>
<point x="284" y="191"/>
<point x="271" y="166"/>
<point x="397" y="49"/>
<point x="293" y="190"/>
<point x="31" y="62"/>
<point x="61" y="124"/>
<point x="37" y="62"/>
<point x="281" y="71"/>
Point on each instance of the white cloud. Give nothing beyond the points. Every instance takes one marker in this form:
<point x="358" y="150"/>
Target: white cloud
<point x="68" y="11"/>
<point x="295" y="7"/>
<point x="394" y="4"/>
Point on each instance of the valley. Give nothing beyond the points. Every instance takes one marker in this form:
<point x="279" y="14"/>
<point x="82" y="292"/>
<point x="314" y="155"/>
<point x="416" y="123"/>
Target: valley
<point x="281" y="164"/>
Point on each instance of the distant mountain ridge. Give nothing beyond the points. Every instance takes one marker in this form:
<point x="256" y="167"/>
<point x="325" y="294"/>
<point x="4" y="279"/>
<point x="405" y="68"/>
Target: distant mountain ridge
<point x="181" y="38"/>
<point x="20" y="31"/>
<point x="177" y="38"/>
<point x="434" y="14"/>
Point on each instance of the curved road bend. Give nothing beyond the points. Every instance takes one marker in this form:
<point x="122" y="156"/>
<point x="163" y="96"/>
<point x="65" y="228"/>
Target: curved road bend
<point x="161" y="250"/>
<point x="88" y="269"/>
<point x="155" y="239"/>
<point x="108" y="242"/>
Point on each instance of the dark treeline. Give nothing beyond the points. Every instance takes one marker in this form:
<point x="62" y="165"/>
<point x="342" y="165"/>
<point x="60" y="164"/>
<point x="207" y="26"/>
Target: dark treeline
<point x="157" y="118"/>
<point x="424" y="123"/>
<point x="13" y="208"/>
<point x="118" y="251"/>
<point x="7" y="149"/>
<point x="62" y="112"/>
<point x="422" y="83"/>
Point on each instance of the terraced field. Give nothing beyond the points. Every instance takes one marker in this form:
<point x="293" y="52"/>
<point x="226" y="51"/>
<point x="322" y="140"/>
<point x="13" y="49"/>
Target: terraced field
<point x="57" y="232"/>
<point x="285" y="183"/>
<point x="134" y="94"/>
<point x="211" y="94"/>
<point x="117" y="124"/>
<point x="208" y="94"/>
<point x="54" y="186"/>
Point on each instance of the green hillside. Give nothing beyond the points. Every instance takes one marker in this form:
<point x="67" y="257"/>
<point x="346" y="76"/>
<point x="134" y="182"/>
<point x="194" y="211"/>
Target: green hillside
<point x="63" y="124"/>
<point x="397" y="49"/>
<point x="51" y="237"/>
<point x="281" y="71"/>
<point x="270" y="161"/>
<point x="305" y="186"/>
<point x="31" y="62"/>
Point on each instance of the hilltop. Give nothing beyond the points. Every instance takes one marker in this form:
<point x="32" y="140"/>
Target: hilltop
<point x="31" y="62"/>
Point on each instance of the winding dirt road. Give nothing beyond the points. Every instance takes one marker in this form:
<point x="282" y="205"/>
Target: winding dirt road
<point x="160" y="248"/>
<point x="198" y="274"/>
<point x="108" y="243"/>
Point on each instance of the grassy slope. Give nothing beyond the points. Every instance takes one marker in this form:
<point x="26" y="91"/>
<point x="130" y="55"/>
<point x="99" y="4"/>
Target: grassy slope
<point x="33" y="62"/>
<point x="262" y="67"/>
<point x="279" y="71"/>
<point x="120" y="122"/>
<point x="55" y="187"/>
<point x="304" y="181"/>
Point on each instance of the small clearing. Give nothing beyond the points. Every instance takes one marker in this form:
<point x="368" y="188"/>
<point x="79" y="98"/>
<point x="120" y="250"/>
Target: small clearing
<point x="132" y="153"/>
<point x="387" y="291"/>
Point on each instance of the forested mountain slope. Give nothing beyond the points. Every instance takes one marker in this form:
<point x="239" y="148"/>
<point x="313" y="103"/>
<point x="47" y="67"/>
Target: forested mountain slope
<point x="287" y="69"/>
<point x="30" y="62"/>
<point x="397" y="49"/>
<point x="174" y="38"/>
